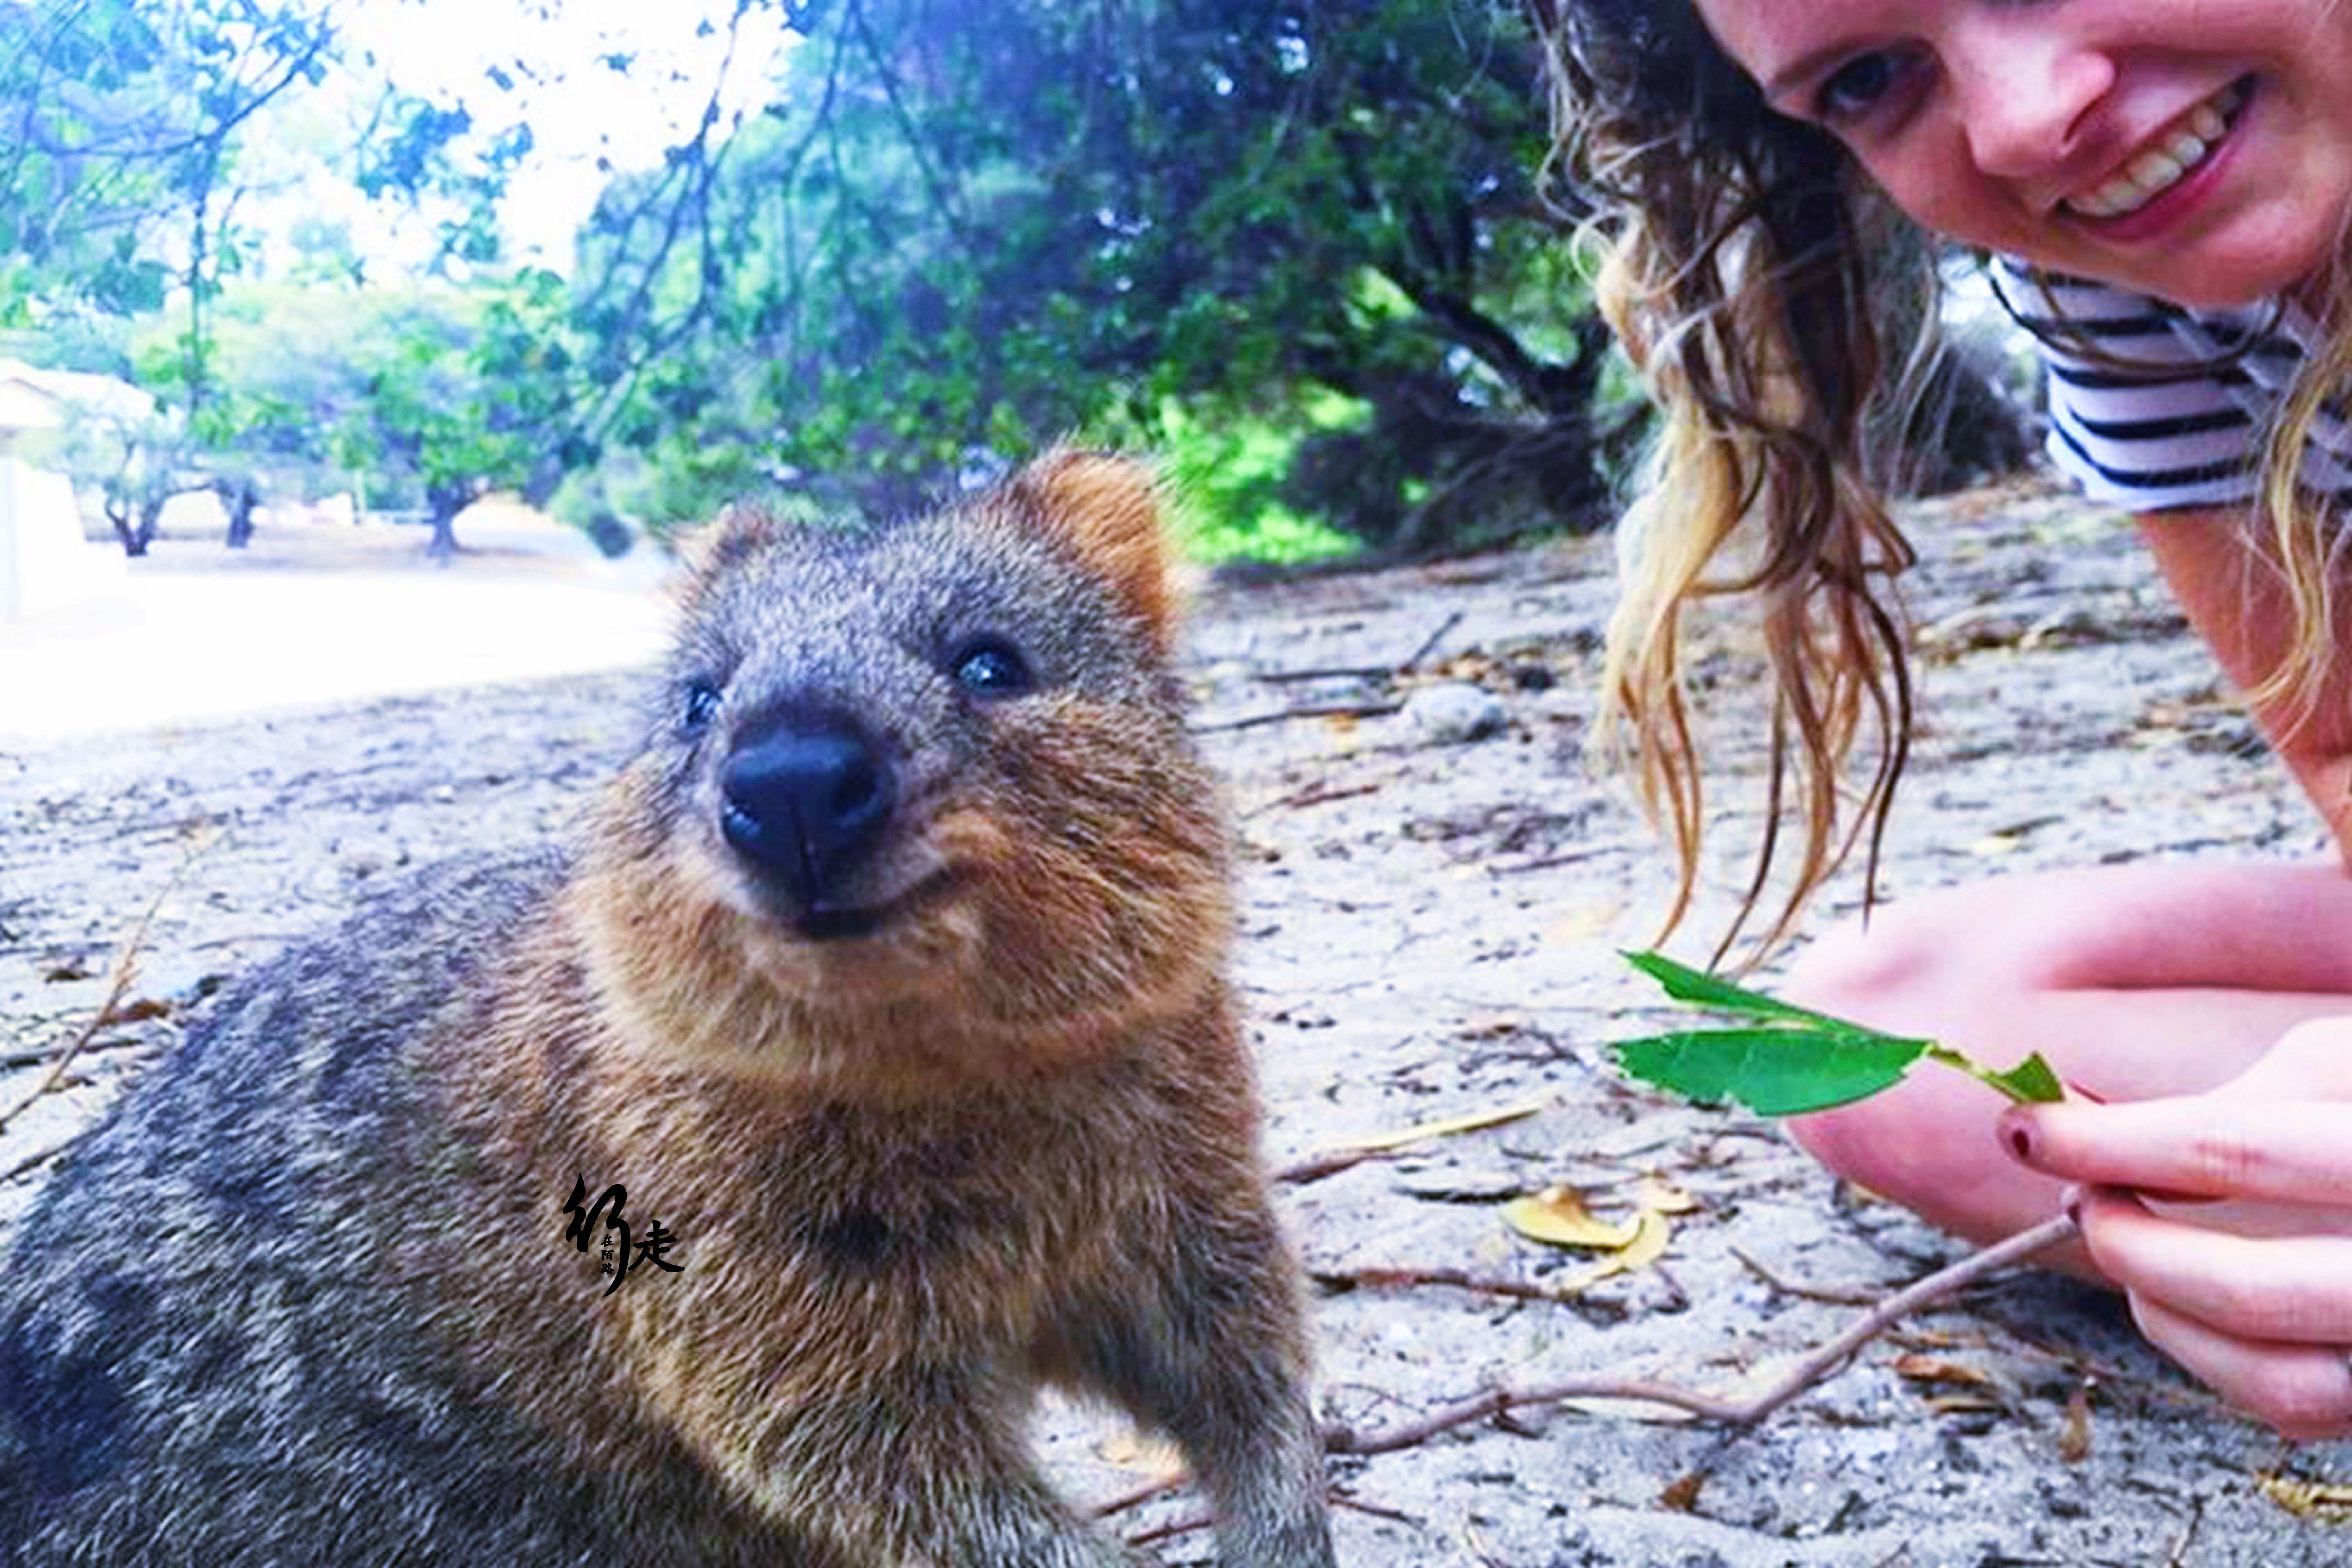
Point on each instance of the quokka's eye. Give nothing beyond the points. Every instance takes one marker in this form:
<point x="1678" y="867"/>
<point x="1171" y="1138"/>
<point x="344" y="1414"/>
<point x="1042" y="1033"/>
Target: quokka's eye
<point x="701" y="706"/>
<point x="990" y="666"/>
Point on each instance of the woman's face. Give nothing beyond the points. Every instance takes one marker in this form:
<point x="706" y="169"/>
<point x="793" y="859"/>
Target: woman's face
<point x="2196" y="150"/>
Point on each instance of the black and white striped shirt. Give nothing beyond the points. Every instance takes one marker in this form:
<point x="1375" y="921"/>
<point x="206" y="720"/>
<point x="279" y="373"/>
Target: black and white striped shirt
<point x="2154" y="407"/>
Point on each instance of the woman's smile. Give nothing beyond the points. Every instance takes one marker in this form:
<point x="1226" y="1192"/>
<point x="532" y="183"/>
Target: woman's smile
<point x="2181" y="150"/>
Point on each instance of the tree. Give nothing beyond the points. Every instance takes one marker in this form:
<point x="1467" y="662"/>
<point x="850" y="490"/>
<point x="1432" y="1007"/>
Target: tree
<point x="965" y="229"/>
<point x="444" y="394"/>
<point x="113" y="439"/>
<point x="120" y="194"/>
<point x="125" y="118"/>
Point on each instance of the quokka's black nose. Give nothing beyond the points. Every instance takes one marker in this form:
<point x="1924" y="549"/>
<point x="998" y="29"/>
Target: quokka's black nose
<point x="804" y="805"/>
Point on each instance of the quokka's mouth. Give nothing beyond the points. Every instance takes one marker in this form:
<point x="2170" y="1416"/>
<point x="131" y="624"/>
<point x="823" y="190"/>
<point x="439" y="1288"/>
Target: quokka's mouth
<point x="826" y="921"/>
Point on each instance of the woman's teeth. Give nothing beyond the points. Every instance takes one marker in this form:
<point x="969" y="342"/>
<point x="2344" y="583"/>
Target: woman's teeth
<point x="2158" y="170"/>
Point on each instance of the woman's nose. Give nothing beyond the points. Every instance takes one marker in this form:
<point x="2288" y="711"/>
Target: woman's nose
<point x="2026" y="97"/>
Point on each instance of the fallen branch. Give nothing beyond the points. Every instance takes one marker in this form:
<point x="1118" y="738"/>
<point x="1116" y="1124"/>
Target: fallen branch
<point x="1730" y="1411"/>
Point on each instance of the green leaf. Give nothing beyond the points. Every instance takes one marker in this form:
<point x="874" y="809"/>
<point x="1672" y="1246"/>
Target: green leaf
<point x="2029" y="1082"/>
<point x="1701" y="989"/>
<point x="1776" y="1071"/>
<point x="1793" y="1061"/>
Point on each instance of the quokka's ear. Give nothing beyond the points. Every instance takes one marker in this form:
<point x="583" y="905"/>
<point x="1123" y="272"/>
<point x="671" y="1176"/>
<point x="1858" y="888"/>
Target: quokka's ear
<point x="1107" y="509"/>
<point x="704" y="552"/>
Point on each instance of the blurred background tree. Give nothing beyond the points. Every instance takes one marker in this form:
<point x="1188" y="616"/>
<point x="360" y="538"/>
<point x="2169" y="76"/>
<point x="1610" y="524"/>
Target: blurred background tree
<point x="889" y="247"/>
<point x="962" y="229"/>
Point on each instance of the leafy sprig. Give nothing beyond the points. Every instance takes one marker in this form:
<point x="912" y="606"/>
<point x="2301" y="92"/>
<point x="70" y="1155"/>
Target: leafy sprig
<point x="1785" y="1060"/>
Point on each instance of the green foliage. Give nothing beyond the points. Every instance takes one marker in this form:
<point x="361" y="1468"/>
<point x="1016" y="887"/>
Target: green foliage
<point x="467" y="393"/>
<point x="425" y="396"/>
<point x="125" y="116"/>
<point x="1787" y="1060"/>
<point x="965" y="230"/>
<point x="1228" y="474"/>
<point x="1298" y="252"/>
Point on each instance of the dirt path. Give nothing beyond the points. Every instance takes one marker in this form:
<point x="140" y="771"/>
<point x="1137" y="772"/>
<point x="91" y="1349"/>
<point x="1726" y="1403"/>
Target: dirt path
<point x="1429" y="930"/>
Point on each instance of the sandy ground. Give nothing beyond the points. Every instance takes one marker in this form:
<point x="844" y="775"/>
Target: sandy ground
<point x="1429" y="930"/>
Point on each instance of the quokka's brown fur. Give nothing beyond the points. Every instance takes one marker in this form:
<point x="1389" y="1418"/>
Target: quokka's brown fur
<point x="888" y="978"/>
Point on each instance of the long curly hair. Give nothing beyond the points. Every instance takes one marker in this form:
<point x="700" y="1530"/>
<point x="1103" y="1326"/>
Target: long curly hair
<point x="1750" y="275"/>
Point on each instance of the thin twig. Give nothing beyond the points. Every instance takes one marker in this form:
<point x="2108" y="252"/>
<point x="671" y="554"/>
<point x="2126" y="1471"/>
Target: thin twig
<point x="1570" y="856"/>
<point x="126" y="966"/>
<point x="1313" y="794"/>
<point x="1429" y="644"/>
<point x="119" y="984"/>
<point x="1804" y="1292"/>
<point x="1184" y="1526"/>
<point x="16" y="1059"/>
<point x="2180" y="1554"/>
<point x="1366" y="671"/>
<point x="1453" y="1279"/>
<point x="1140" y="1495"/>
<point x="1312" y="710"/>
<point x="1193" y="1521"/>
<point x="1341" y="1499"/>
<point x="1325" y="673"/>
<point x="1330" y="1162"/>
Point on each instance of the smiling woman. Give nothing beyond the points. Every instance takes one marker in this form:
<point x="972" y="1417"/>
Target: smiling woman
<point x="2167" y="186"/>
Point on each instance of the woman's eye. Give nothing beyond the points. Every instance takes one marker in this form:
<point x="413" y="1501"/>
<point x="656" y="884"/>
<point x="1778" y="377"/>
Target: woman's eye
<point x="701" y="706"/>
<point x="992" y="667"/>
<point x="1861" y="85"/>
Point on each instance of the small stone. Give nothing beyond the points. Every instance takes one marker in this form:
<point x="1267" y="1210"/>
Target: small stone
<point x="1455" y="713"/>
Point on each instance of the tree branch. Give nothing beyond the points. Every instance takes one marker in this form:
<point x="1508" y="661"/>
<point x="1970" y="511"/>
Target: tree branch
<point x="1730" y="1410"/>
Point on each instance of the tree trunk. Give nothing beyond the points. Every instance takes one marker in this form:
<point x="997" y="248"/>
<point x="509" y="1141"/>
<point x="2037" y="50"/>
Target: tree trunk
<point x="446" y="501"/>
<point x="238" y="497"/>
<point x="118" y="512"/>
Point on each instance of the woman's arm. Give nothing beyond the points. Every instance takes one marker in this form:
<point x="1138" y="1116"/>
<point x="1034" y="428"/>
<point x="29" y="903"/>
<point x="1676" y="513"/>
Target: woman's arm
<point x="2263" y="1318"/>
<point x="2225" y="580"/>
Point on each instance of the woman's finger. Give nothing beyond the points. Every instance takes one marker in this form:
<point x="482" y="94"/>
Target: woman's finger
<point x="2201" y="1145"/>
<point x="2289" y="1290"/>
<point x="2303" y="1391"/>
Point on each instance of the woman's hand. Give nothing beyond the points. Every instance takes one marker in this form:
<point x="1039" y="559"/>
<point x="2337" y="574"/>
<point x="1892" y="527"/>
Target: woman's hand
<point x="2261" y="1309"/>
